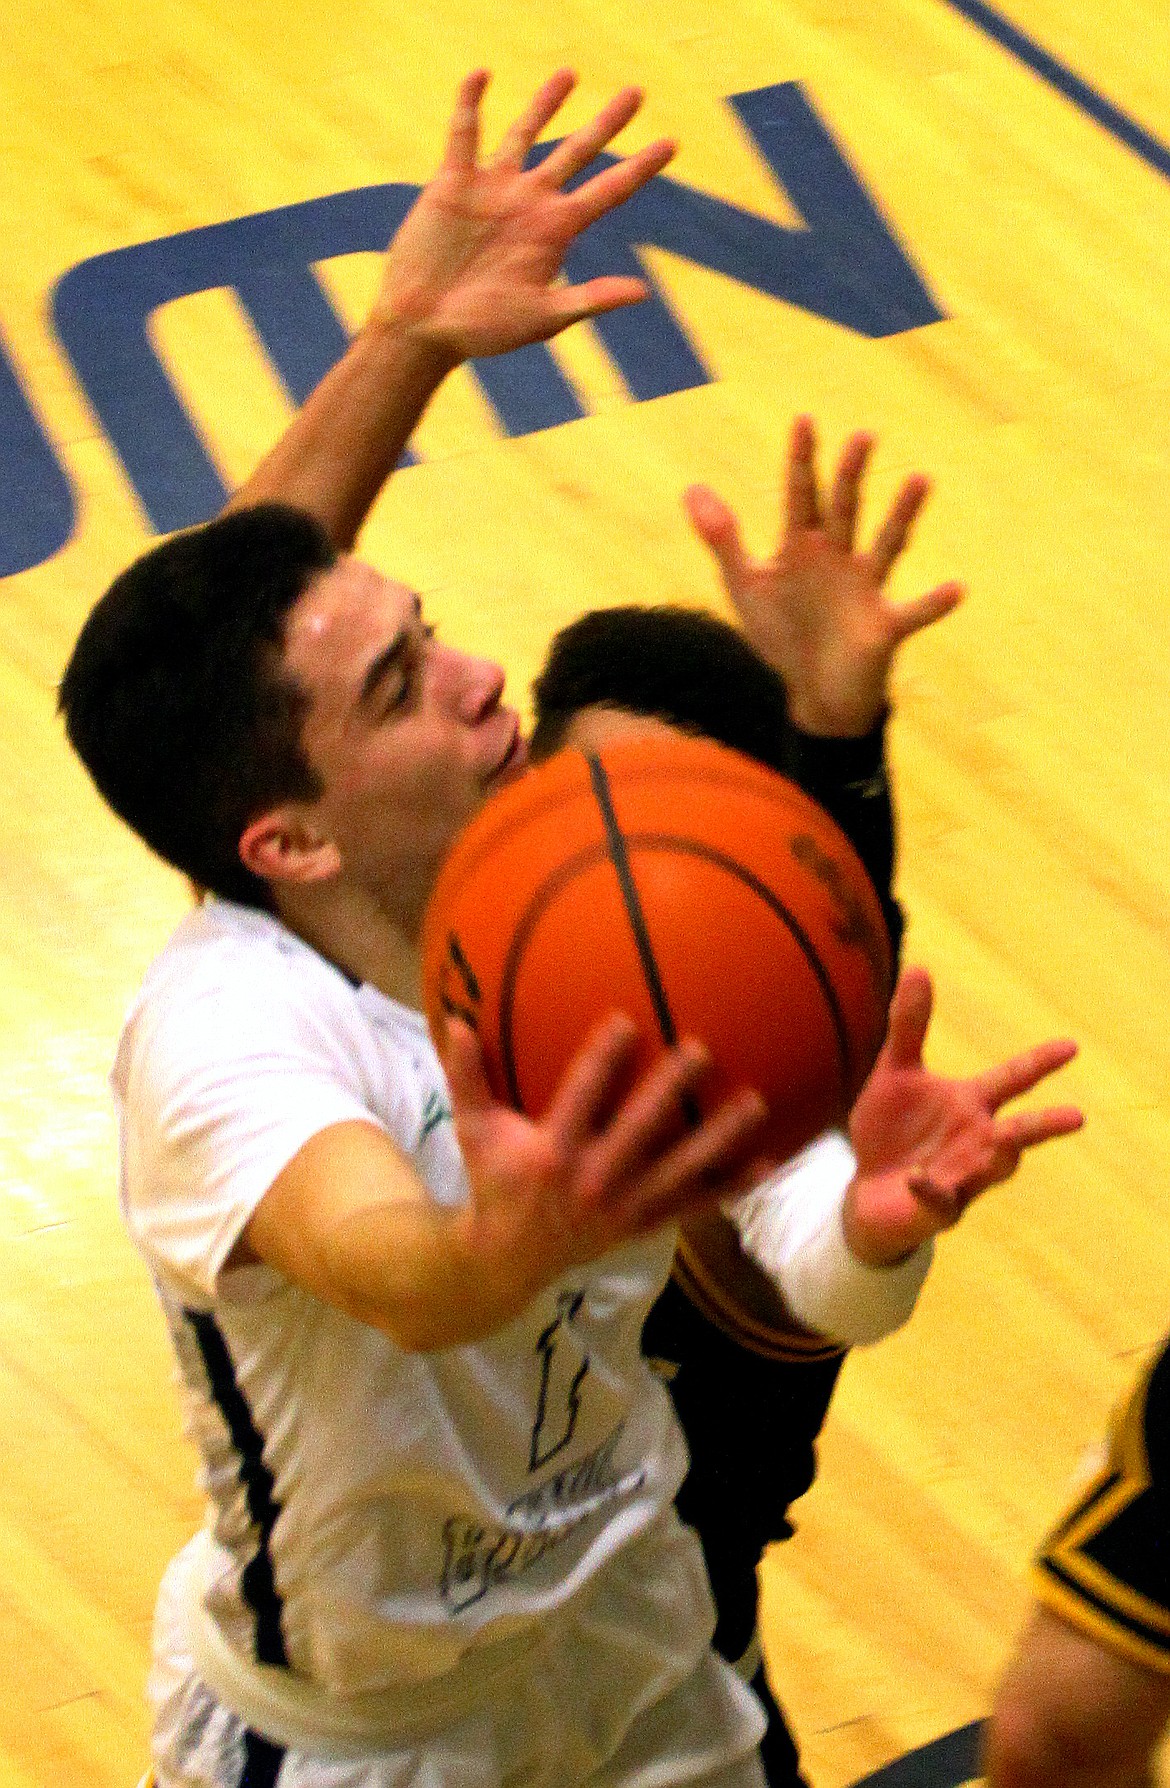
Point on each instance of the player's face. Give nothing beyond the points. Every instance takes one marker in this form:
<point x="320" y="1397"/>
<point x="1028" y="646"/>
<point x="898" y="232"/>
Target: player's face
<point x="407" y="734"/>
<point x="591" y="728"/>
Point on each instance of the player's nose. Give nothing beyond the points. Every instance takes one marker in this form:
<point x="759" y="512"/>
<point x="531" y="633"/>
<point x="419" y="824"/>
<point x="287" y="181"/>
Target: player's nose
<point x="478" y="686"/>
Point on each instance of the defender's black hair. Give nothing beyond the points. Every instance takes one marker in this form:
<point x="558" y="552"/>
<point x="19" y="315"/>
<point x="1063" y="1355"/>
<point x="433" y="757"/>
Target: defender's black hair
<point x="677" y="664"/>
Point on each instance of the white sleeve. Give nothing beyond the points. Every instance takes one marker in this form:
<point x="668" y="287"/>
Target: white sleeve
<point x="217" y="1090"/>
<point x="790" y="1226"/>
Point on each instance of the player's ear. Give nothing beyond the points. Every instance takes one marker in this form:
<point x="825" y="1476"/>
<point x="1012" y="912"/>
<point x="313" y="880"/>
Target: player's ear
<point x="286" y="845"/>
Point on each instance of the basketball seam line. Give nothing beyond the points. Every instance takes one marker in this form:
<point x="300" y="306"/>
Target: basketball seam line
<point x="707" y="853"/>
<point x="619" y="857"/>
<point x="617" y="852"/>
<point x="613" y="847"/>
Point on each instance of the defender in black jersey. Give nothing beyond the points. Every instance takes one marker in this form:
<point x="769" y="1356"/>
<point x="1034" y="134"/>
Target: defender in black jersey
<point x="1086" y="1702"/>
<point x="750" y="1386"/>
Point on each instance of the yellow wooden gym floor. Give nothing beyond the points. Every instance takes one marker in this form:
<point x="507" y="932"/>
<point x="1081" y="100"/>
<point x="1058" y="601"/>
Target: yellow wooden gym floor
<point x="1018" y="165"/>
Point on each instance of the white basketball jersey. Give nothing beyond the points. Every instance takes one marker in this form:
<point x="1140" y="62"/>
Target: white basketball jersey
<point x="378" y="1513"/>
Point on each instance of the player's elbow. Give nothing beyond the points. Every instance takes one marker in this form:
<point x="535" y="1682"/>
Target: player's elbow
<point x="1074" y="1712"/>
<point x="413" y="1326"/>
<point x="1022" y="1747"/>
<point x="1036" y="1742"/>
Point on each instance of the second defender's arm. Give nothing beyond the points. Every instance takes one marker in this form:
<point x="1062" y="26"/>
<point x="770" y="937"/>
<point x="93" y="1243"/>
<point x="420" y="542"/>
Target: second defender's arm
<point x="816" y="611"/>
<point x="849" y="779"/>
<point x="844" y="1252"/>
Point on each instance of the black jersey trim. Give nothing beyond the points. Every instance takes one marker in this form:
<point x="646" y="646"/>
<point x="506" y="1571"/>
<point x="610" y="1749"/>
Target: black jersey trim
<point x="1084" y="1511"/>
<point x="258" y="1579"/>
<point x="1069" y="1575"/>
<point x="945" y="1762"/>
<point x="1070" y="1556"/>
<point x="1097" y="1613"/>
<point x="262" y="1761"/>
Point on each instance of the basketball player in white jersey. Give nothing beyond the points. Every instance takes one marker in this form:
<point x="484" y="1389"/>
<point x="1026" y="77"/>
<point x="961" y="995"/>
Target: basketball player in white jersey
<point x="441" y="1546"/>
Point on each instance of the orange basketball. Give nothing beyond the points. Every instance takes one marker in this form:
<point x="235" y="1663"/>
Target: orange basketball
<point x="681" y="883"/>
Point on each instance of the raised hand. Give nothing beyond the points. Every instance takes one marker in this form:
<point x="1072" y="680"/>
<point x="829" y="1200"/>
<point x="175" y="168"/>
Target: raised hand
<point x="599" y="1168"/>
<point x="474" y="268"/>
<point x="927" y="1146"/>
<point x="817" y="610"/>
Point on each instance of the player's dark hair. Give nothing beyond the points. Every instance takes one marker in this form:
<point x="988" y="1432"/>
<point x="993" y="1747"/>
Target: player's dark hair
<point x="174" y="697"/>
<point x="677" y="664"/>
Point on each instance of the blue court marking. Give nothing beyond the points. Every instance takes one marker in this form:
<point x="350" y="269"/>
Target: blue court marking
<point x="844" y="263"/>
<point x="39" y="512"/>
<point x="1057" y="74"/>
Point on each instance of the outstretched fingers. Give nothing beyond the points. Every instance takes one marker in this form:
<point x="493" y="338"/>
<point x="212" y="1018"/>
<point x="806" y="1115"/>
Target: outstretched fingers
<point x="1019" y="1075"/>
<point x="466" y="1073"/>
<point x="654" y="1115"/>
<point x="845" y="496"/>
<point x="574" y="304"/>
<point x="541" y="110"/>
<point x="715" y="1161"/>
<point x="462" y="148"/>
<point x="894" y="532"/>
<point x="924" y="611"/>
<point x="802" y="504"/>
<point x="717" y="528"/>
<point x="976" y="1162"/>
<point x="909" y="1018"/>
<point x="589" y="1088"/>
<point x="613" y="186"/>
<point x="1025" y="1129"/>
<point x="578" y="149"/>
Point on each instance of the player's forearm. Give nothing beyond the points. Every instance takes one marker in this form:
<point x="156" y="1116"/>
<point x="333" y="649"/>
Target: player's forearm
<point x="343" y="444"/>
<point x="849" y="779"/>
<point x="425" y="1276"/>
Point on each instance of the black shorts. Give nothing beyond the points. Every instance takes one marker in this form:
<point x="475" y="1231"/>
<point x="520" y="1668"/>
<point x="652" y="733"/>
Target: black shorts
<point x="1106" y="1566"/>
<point x="751" y="1419"/>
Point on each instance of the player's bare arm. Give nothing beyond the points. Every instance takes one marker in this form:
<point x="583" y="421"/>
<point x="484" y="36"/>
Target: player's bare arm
<point x="348" y="1219"/>
<point x="473" y="270"/>
<point x="1072" y="1712"/>
<point x="927" y="1146"/>
<point x="817" y="609"/>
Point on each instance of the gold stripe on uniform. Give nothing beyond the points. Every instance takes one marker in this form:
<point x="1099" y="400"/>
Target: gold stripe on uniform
<point x="728" y="1315"/>
<point x="1123" y="1478"/>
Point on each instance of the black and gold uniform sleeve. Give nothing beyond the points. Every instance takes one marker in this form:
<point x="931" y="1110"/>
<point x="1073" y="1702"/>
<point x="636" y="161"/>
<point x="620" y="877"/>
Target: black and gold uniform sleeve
<point x="848" y="778"/>
<point x="1106" y="1565"/>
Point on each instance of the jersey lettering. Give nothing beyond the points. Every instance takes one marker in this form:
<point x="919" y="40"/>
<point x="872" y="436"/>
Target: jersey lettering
<point x="564" y="1363"/>
<point x="477" y="1555"/>
<point x="436" y="1111"/>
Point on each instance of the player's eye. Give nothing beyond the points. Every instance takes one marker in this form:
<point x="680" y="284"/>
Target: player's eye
<point x="401" y="686"/>
<point x="397" y="690"/>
